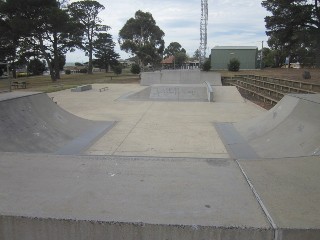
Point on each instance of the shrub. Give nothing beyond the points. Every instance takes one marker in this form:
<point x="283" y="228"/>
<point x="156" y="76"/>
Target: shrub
<point x="36" y="67"/>
<point x="234" y="65"/>
<point x="83" y="70"/>
<point x="68" y="71"/>
<point x="306" y="75"/>
<point x="206" y="66"/>
<point x="135" y="68"/>
<point x="117" y="69"/>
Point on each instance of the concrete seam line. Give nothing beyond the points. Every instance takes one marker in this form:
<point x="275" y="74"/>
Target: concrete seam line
<point x="264" y="208"/>
<point x="147" y="110"/>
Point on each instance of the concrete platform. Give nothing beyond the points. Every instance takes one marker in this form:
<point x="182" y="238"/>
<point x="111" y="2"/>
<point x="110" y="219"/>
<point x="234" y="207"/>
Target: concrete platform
<point x="146" y="198"/>
<point x="290" y="190"/>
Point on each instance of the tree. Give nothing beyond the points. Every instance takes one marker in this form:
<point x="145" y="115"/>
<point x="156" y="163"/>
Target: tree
<point x="196" y="54"/>
<point x="180" y="58"/>
<point x="37" y="29"/>
<point x="206" y="66"/>
<point x="117" y="69"/>
<point x="104" y="51"/>
<point x="36" y="67"/>
<point x="295" y="25"/>
<point x="14" y="26"/>
<point x="135" y="68"/>
<point x="234" y="65"/>
<point x="141" y="37"/>
<point x="173" y="49"/>
<point x="86" y="14"/>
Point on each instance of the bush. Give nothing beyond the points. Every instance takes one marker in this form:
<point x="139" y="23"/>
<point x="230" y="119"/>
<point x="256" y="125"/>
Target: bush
<point x="234" y="65"/>
<point x="135" y="68"/>
<point x="83" y="70"/>
<point x="68" y="71"/>
<point x="206" y="66"/>
<point x="306" y="75"/>
<point x="36" y="67"/>
<point x="117" y="69"/>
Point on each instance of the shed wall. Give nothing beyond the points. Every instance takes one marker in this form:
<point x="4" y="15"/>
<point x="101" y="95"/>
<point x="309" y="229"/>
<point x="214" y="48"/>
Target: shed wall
<point x="221" y="57"/>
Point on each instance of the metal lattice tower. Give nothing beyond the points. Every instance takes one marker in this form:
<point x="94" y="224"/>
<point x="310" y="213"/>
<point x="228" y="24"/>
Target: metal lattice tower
<point x="203" y="31"/>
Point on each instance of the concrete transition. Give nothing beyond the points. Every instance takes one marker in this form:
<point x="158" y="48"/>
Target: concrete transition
<point x="290" y="129"/>
<point x="33" y="123"/>
<point x="180" y="77"/>
<point x="268" y="190"/>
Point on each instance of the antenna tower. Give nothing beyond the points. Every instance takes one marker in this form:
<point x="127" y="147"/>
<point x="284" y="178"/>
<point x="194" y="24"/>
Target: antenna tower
<point x="203" y="31"/>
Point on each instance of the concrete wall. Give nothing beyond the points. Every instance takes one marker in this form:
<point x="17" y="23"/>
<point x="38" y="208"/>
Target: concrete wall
<point x="180" y="77"/>
<point x="18" y="228"/>
<point x="221" y="57"/>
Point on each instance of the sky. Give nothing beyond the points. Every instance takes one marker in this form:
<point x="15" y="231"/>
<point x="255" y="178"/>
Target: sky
<point x="231" y="23"/>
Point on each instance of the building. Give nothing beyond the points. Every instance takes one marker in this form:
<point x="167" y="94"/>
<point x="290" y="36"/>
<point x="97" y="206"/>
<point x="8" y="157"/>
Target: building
<point x="221" y="56"/>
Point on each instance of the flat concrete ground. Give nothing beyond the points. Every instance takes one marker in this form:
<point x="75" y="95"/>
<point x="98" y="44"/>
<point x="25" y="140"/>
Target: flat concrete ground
<point x="157" y="128"/>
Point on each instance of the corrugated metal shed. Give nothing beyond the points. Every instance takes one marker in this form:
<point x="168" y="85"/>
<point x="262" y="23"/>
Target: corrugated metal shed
<point x="221" y="56"/>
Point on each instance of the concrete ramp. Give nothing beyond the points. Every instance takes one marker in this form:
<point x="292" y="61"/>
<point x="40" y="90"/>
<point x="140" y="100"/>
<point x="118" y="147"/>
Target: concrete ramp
<point x="290" y="129"/>
<point x="33" y="123"/>
<point x="172" y="92"/>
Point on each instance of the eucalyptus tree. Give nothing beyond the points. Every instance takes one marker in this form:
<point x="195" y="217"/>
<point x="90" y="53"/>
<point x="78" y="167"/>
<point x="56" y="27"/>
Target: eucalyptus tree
<point x="295" y="25"/>
<point x="38" y="29"/>
<point x="142" y="37"/>
<point x="173" y="49"/>
<point x="104" y="51"/>
<point x="85" y="13"/>
<point x="14" y="26"/>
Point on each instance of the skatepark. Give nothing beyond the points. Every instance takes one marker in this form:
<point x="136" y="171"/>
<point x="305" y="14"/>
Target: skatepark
<point x="177" y="157"/>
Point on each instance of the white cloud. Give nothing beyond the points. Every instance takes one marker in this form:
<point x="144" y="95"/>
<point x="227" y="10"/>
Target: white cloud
<point x="230" y="22"/>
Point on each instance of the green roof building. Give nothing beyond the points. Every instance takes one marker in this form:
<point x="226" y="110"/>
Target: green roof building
<point x="221" y="56"/>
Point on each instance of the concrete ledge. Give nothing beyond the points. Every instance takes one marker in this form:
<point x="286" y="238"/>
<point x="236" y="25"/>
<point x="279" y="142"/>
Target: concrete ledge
<point x="82" y="88"/>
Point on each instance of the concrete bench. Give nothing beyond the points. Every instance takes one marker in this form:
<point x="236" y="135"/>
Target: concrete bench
<point x="103" y="89"/>
<point x="82" y="88"/>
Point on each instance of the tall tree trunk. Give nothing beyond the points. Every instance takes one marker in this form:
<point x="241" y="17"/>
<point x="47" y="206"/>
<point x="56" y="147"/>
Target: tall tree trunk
<point x="48" y="59"/>
<point x="90" y="59"/>
<point x="56" y="59"/>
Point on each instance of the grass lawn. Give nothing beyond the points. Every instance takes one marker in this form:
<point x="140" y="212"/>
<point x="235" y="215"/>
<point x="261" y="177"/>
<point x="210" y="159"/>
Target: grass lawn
<point x="45" y="84"/>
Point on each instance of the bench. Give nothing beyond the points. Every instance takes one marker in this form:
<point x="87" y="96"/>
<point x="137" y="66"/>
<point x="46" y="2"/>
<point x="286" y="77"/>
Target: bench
<point x="82" y="88"/>
<point x="19" y="84"/>
<point x="103" y="89"/>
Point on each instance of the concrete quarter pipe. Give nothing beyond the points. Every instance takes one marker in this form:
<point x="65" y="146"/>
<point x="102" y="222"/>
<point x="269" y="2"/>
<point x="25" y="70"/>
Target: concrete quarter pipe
<point x="290" y="129"/>
<point x="33" y="123"/>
